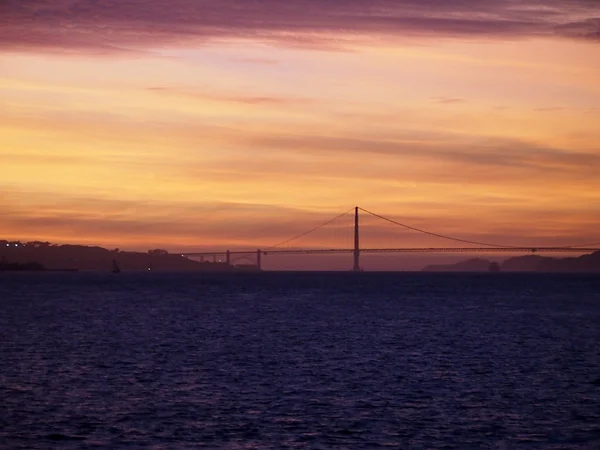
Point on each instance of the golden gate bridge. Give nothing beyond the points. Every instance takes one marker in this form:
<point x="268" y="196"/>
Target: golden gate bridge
<point x="228" y="256"/>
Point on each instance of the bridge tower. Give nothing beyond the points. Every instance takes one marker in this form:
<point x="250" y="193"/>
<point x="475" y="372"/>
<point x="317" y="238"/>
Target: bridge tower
<point x="258" y="259"/>
<point x="356" y="267"/>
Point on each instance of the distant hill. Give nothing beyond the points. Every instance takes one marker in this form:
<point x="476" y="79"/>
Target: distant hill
<point x="585" y="263"/>
<point x="528" y="263"/>
<point x="79" y="257"/>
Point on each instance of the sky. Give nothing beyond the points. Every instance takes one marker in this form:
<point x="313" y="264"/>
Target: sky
<point x="196" y="124"/>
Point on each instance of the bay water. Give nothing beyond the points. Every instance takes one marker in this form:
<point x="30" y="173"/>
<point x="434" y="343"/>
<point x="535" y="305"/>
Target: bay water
<point x="299" y="360"/>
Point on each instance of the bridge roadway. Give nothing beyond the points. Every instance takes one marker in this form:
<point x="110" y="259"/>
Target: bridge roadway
<point x="398" y="250"/>
<point x="356" y="251"/>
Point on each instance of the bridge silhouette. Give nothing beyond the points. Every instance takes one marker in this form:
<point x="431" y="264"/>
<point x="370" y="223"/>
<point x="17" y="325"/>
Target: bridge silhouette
<point x="255" y="256"/>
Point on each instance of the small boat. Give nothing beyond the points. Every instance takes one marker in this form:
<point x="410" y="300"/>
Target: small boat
<point x="116" y="268"/>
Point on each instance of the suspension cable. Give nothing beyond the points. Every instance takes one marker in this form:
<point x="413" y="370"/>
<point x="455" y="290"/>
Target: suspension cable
<point x="593" y="244"/>
<point x="309" y="231"/>
<point x="466" y="241"/>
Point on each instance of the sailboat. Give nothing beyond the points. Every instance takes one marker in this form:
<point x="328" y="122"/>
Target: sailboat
<point x="116" y="268"/>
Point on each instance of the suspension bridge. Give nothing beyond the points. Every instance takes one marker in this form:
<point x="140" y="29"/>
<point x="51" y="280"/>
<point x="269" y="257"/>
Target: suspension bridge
<point x="229" y="256"/>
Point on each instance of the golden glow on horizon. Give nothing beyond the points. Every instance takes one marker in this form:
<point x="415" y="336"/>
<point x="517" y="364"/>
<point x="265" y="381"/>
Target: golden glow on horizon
<point x="181" y="148"/>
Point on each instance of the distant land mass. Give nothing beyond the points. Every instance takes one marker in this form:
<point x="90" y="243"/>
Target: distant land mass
<point x="46" y="256"/>
<point x="528" y="263"/>
<point x="40" y="256"/>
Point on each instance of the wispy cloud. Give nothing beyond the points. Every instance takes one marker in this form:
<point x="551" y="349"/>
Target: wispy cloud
<point x="450" y="161"/>
<point x="212" y="95"/>
<point x="448" y="100"/>
<point x="551" y="108"/>
<point x="263" y="61"/>
<point x="111" y="26"/>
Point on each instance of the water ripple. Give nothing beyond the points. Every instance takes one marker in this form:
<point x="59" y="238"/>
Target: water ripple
<point x="298" y="360"/>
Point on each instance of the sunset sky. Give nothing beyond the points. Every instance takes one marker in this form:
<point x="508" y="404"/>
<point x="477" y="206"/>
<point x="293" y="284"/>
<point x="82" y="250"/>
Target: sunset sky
<point x="187" y="124"/>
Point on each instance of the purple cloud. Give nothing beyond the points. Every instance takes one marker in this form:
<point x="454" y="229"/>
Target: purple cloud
<point x="124" y="24"/>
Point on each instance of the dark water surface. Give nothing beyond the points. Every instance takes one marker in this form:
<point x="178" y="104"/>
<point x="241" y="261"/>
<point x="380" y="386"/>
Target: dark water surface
<point x="279" y="360"/>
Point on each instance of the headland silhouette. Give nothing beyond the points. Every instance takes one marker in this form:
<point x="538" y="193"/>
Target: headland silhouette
<point x="527" y="263"/>
<point x="39" y="255"/>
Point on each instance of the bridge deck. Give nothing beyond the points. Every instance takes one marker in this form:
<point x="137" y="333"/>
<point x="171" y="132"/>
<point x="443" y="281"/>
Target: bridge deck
<point x="401" y="250"/>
